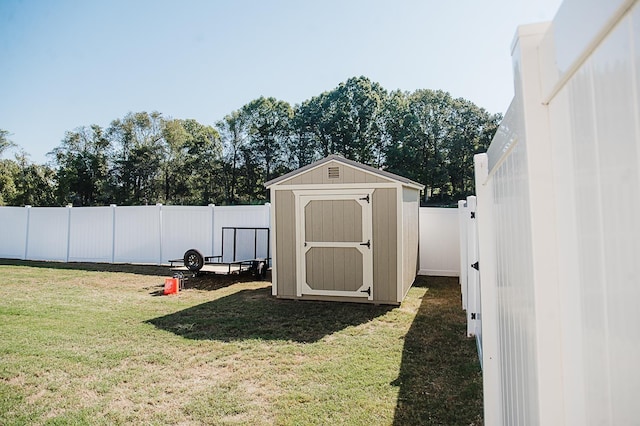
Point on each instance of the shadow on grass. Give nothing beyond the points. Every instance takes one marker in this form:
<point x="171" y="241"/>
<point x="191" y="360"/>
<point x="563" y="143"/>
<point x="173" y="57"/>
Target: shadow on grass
<point x="440" y="379"/>
<point x="255" y="314"/>
<point x="95" y="267"/>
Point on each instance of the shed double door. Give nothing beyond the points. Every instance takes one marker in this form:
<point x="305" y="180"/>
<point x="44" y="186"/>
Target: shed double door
<point x="335" y="244"/>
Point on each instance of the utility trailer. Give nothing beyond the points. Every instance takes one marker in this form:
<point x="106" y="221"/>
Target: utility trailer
<point x="244" y="250"/>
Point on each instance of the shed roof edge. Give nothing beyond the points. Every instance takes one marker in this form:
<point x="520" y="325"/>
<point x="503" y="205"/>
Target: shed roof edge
<point x="333" y="157"/>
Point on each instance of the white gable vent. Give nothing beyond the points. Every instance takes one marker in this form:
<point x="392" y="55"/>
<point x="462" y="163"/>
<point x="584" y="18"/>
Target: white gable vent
<point x="334" y="172"/>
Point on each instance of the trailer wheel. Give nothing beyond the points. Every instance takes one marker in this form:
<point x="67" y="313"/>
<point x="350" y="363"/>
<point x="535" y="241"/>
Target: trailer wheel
<point x="193" y="260"/>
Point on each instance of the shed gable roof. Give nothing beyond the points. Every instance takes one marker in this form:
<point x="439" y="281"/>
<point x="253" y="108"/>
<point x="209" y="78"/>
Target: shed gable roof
<point x="350" y="163"/>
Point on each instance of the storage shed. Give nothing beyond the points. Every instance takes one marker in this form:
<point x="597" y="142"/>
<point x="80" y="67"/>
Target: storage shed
<point x="344" y="231"/>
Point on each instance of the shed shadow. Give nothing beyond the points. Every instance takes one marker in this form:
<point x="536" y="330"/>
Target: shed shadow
<point x="256" y="314"/>
<point x="440" y="379"/>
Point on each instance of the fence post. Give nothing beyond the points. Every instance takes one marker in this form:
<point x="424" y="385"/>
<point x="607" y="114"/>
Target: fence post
<point x="113" y="233"/>
<point x="212" y="208"/>
<point x="473" y="274"/>
<point x="490" y="353"/>
<point x="159" y="206"/>
<point x="26" y="242"/>
<point x="542" y="206"/>
<point x="69" y="207"/>
<point x="462" y="223"/>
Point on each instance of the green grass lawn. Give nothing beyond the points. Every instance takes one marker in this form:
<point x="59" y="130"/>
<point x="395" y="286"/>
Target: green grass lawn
<point x="98" y="344"/>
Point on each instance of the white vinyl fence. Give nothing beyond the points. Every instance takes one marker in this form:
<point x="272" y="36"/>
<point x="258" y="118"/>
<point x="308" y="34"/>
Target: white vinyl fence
<point x="141" y="234"/>
<point x="439" y="242"/>
<point x="558" y="196"/>
<point x="155" y="234"/>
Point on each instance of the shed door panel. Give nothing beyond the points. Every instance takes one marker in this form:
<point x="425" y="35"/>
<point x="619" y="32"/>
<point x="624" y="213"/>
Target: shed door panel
<point x="335" y="245"/>
<point x="333" y="220"/>
<point x="334" y="268"/>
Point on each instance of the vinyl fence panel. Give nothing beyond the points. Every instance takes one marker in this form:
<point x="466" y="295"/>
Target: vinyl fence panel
<point x="91" y="234"/>
<point x="48" y="234"/>
<point x="137" y="235"/>
<point x="439" y="241"/>
<point x="157" y="234"/>
<point x="184" y="228"/>
<point x="13" y="232"/>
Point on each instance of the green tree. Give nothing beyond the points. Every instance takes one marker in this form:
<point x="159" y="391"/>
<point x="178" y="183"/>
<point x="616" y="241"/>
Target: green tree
<point x="203" y="153"/>
<point x="82" y="166"/>
<point x="9" y="170"/>
<point x="472" y="132"/>
<point x="139" y="151"/>
<point x="356" y="119"/>
<point x="269" y="128"/>
<point x="344" y="121"/>
<point x="233" y="132"/>
<point x="313" y="136"/>
<point x="5" y="142"/>
<point x="175" y="181"/>
<point x="432" y="137"/>
<point x="34" y="183"/>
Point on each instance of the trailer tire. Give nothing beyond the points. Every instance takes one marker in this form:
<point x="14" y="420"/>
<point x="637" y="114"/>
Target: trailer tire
<point x="193" y="260"/>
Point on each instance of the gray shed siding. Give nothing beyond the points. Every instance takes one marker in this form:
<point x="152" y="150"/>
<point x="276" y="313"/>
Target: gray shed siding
<point x="285" y="243"/>
<point x="320" y="176"/>
<point x="410" y="237"/>
<point x="385" y="245"/>
<point x="393" y="225"/>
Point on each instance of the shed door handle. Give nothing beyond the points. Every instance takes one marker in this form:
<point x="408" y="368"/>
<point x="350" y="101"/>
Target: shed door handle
<point x="368" y="244"/>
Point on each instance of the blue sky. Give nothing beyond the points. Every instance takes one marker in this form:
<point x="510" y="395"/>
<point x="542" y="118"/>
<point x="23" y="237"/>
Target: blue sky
<point x="66" y="63"/>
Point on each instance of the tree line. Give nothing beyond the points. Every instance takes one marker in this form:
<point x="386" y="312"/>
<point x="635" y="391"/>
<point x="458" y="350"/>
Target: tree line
<point x="146" y="158"/>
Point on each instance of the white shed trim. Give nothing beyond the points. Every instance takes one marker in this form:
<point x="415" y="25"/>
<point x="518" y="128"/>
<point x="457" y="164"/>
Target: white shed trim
<point x="272" y="249"/>
<point x="302" y="198"/>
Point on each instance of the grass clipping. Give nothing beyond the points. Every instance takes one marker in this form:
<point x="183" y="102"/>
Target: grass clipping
<point x="92" y="346"/>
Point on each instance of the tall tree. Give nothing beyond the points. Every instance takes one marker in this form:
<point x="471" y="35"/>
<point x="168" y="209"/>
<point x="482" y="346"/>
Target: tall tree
<point x="313" y="130"/>
<point x="5" y="142"/>
<point x="9" y="171"/>
<point x="358" y="103"/>
<point x="204" y="150"/>
<point x="34" y="184"/>
<point x="174" y="179"/>
<point x="82" y="166"/>
<point x="136" y="172"/>
<point x="268" y="123"/>
<point x="233" y="132"/>
<point x="436" y="141"/>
